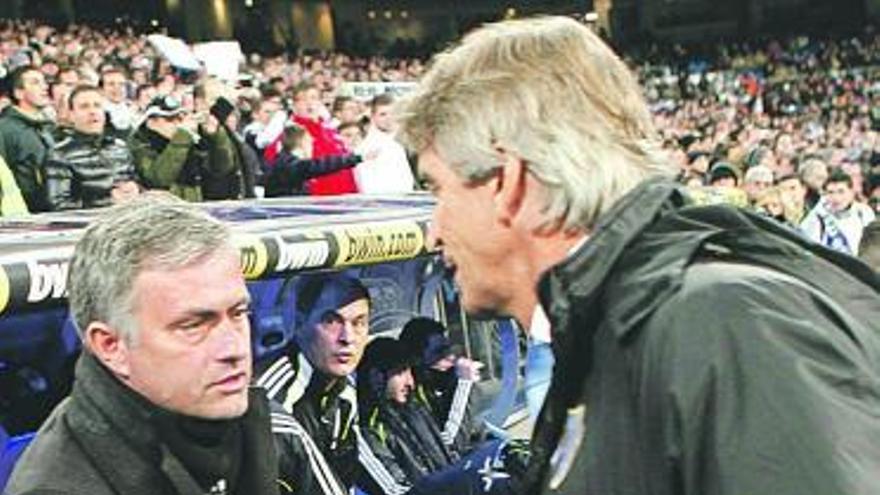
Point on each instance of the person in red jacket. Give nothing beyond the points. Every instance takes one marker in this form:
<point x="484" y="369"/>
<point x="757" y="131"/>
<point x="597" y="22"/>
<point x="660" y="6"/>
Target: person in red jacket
<point x="309" y="113"/>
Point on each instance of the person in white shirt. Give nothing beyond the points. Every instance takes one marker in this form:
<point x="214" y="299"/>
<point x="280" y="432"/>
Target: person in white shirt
<point x="390" y="171"/>
<point x="838" y="221"/>
<point x="121" y="112"/>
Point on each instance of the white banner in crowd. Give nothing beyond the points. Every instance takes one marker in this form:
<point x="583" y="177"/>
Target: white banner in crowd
<point x="175" y="51"/>
<point x="221" y="58"/>
<point x="367" y="90"/>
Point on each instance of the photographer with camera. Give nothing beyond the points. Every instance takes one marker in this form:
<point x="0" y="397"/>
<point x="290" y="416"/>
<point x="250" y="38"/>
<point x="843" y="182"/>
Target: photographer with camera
<point x="188" y="154"/>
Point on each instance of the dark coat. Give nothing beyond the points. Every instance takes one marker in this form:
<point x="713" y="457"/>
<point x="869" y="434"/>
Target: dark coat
<point x="708" y="351"/>
<point x="405" y="444"/>
<point x="25" y="144"/>
<point x="82" y="170"/>
<point x="99" y="441"/>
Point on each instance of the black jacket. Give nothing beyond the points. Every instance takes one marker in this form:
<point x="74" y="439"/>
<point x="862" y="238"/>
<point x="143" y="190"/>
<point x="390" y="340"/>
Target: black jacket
<point x="25" y="143"/>
<point x="450" y="399"/>
<point x="315" y="427"/>
<point x="82" y="170"/>
<point x="708" y="351"/>
<point x="287" y="177"/>
<point x="101" y="440"/>
<point x="400" y="445"/>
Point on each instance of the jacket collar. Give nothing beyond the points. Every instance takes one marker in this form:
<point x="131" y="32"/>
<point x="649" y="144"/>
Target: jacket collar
<point x="115" y="427"/>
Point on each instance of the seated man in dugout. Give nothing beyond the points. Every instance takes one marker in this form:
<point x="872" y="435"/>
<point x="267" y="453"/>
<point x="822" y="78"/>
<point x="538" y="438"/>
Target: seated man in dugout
<point x="402" y="449"/>
<point x="444" y="383"/>
<point x="314" y="399"/>
<point x="161" y="402"/>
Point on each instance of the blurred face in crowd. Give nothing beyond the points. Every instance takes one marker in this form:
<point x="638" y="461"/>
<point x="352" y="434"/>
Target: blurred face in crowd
<point x="771" y="203"/>
<point x="87" y="112"/>
<point x="334" y="345"/>
<point x="816" y="177"/>
<point x="115" y="87"/>
<point x="266" y="110"/>
<point x="349" y="112"/>
<point x="307" y="103"/>
<point x="399" y="386"/>
<point x="382" y="118"/>
<point x="145" y="96"/>
<point x="840" y="195"/>
<point x="754" y="186"/>
<point x="351" y="136"/>
<point x="34" y="93"/>
<point x="191" y="353"/>
<point x="854" y="170"/>
<point x="793" y="193"/>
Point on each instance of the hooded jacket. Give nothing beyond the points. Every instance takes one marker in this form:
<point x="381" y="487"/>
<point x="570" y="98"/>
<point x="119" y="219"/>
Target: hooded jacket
<point x="25" y="143"/>
<point x="708" y="351"/>
<point x="104" y="440"/>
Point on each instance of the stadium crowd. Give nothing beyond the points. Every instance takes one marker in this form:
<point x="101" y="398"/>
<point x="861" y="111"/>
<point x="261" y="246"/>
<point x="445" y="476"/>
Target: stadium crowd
<point x="789" y="126"/>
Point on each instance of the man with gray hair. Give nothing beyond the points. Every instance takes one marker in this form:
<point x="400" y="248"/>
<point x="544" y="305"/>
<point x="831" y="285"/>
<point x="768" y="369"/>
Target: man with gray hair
<point x="161" y="402"/>
<point x="674" y="373"/>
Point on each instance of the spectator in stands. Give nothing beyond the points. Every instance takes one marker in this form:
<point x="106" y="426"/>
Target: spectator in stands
<point x="171" y="153"/>
<point x="351" y="134"/>
<point x="234" y="168"/>
<point x="295" y="165"/>
<point x="26" y="135"/>
<point x="813" y="173"/>
<point x="405" y="442"/>
<point x="793" y="195"/>
<point x="89" y="168"/>
<point x="310" y="383"/>
<point x="723" y="174"/>
<point x="309" y="113"/>
<point x="268" y="119"/>
<point x="444" y="383"/>
<point x="160" y="401"/>
<point x="11" y="201"/>
<point x="757" y="179"/>
<point x="666" y="343"/>
<point x="120" y="111"/>
<point x="869" y="246"/>
<point x="390" y="172"/>
<point x="838" y="220"/>
<point x="346" y="110"/>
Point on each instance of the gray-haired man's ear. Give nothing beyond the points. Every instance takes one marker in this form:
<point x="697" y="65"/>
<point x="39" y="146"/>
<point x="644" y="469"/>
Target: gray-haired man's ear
<point x="109" y="346"/>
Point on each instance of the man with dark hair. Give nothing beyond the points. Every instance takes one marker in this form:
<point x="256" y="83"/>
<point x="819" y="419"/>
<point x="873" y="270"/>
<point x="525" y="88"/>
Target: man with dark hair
<point x="838" y="220"/>
<point x="26" y="134"/>
<point x="390" y="172"/>
<point x="161" y="402"/>
<point x="310" y="384"/>
<point x="89" y="168"/>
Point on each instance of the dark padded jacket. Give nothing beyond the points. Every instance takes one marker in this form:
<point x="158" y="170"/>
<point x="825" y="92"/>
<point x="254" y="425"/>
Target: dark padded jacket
<point x="708" y="351"/>
<point x="99" y="441"/>
<point x="82" y="170"/>
<point x="25" y="143"/>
